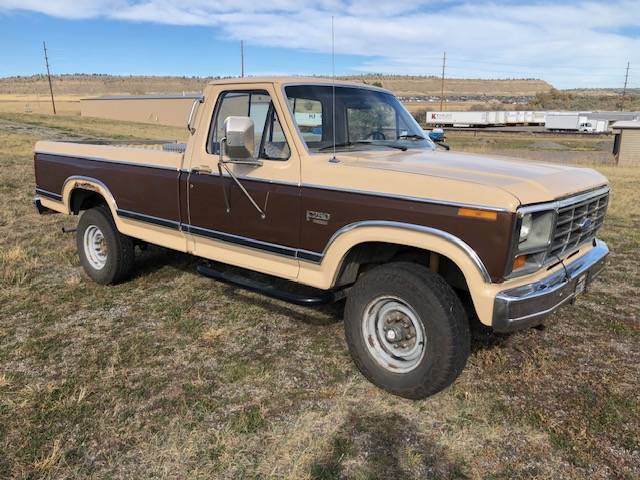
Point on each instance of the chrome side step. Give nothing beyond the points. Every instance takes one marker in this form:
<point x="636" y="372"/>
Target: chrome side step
<point x="302" y="295"/>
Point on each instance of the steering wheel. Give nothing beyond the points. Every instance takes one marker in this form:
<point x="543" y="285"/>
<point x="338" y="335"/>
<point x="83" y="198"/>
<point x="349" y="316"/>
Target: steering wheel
<point x="375" y="135"/>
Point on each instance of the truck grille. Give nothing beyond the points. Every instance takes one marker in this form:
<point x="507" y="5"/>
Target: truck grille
<point x="578" y="222"/>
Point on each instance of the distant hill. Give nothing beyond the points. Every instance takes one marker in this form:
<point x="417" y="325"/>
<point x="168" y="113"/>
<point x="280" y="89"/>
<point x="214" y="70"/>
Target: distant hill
<point x="586" y="99"/>
<point x="406" y="86"/>
<point x="80" y="84"/>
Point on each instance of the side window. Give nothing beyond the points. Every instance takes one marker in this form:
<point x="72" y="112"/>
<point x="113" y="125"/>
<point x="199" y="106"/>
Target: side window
<point x="274" y="143"/>
<point x="229" y="104"/>
<point x="258" y="111"/>
<point x="255" y="104"/>
<point x="308" y="115"/>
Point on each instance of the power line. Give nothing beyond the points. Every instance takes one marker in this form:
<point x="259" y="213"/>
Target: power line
<point x="46" y="61"/>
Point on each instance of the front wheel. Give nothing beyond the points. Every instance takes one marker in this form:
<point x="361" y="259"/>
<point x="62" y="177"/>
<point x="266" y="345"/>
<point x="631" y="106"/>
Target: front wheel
<point x="106" y="255"/>
<point x="407" y="330"/>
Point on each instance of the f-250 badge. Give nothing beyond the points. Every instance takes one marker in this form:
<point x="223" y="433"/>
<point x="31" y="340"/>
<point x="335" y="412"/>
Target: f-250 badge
<point x="321" y="218"/>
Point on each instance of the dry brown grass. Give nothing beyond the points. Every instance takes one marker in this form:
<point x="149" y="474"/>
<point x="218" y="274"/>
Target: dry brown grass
<point x="65" y="104"/>
<point x="171" y="375"/>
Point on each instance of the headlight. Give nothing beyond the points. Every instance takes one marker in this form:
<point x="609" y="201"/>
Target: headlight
<point x="525" y="228"/>
<point x="535" y="230"/>
<point x="533" y="241"/>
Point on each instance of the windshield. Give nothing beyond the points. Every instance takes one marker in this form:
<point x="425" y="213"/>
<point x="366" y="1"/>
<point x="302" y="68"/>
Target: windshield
<point x="364" y="119"/>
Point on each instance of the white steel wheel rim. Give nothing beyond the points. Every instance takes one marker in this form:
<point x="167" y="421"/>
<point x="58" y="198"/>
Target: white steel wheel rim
<point x="393" y="334"/>
<point x="95" y="247"/>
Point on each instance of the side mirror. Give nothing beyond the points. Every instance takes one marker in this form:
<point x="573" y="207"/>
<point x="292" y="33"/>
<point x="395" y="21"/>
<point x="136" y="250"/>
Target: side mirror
<point x="239" y="138"/>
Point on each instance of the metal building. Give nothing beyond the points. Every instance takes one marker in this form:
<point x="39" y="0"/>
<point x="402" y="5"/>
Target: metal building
<point x="159" y="109"/>
<point x="626" y="146"/>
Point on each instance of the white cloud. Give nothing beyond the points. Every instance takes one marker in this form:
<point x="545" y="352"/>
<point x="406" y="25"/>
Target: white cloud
<point x="570" y="44"/>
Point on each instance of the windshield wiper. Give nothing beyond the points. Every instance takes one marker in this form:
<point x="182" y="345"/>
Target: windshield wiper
<point x="363" y="142"/>
<point x="337" y="145"/>
<point x="412" y="135"/>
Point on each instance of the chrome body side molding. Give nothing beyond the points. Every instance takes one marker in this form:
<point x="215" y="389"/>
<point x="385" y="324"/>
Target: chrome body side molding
<point x="470" y="252"/>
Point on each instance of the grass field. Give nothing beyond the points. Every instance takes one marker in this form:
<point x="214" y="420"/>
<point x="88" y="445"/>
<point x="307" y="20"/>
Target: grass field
<point x="172" y="375"/>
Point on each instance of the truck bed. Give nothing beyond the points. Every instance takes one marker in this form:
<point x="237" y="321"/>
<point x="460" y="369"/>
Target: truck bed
<point x="140" y="178"/>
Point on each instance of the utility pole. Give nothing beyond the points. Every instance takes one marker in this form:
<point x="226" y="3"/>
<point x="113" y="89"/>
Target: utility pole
<point x="46" y="61"/>
<point x="242" y="58"/>
<point x="444" y="61"/>
<point x="624" y="90"/>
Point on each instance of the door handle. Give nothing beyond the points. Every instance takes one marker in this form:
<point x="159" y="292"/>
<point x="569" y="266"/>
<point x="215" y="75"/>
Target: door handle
<point x="202" y="170"/>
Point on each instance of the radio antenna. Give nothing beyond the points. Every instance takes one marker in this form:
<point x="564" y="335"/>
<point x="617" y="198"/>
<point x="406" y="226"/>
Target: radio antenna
<point x="333" y="88"/>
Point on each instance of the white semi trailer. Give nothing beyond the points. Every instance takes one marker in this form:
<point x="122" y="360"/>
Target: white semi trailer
<point x="564" y="121"/>
<point x="458" y="119"/>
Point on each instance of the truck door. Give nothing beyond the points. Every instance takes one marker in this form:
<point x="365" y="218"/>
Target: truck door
<point x="224" y="222"/>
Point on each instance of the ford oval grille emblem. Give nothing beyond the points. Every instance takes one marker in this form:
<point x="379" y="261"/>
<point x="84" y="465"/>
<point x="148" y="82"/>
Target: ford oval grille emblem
<point x="585" y="224"/>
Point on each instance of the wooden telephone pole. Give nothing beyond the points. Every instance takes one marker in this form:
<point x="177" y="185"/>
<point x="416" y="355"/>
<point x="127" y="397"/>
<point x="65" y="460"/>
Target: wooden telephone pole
<point x="46" y="61"/>
<point x="624" y="90"/>
<point x="444" y="61"/>
<point x="242" y="58"/>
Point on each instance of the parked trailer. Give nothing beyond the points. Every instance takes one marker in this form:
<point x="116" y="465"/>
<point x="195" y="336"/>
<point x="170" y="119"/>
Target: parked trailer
<point x="457" y="119"/>
<point x="510" y="118"/>
<point x="563" y="121"/>
<point x="602" y="126"/>
<point x="538" y="118"/>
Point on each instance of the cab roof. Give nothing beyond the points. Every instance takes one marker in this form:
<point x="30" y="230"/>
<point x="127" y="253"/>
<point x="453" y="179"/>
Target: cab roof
<point x="292" y="80"/>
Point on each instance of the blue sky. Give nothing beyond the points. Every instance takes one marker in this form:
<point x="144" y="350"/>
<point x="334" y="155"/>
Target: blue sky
<point x="570" y="44"/>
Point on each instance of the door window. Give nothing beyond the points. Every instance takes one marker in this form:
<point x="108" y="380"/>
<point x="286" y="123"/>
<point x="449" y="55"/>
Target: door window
<point x="274" y="146"/>
<point x="308" y="115"/>
<point x="270" y="142"/>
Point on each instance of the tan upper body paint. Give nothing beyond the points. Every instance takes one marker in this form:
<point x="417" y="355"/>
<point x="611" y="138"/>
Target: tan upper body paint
<point x="488" y="182"/>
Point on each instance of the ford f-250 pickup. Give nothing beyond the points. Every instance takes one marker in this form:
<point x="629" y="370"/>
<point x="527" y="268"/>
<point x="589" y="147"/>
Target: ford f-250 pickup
<point x="348" y="201"/>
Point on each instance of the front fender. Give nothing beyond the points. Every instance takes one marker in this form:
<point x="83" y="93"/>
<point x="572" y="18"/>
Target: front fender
<point x="324" y="274"/>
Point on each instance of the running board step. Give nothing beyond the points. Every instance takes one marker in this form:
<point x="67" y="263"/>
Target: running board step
<point x="306" y="296"/>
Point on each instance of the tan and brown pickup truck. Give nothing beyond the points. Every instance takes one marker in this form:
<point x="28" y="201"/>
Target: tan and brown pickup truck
<point x="335" y="187"/>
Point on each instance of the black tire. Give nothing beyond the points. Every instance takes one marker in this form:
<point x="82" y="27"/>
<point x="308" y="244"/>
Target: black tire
<point x="120" y="254"/>
<point x="437" y="308"/>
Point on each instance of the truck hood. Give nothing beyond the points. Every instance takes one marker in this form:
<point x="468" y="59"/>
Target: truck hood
<point x="528" y="181"/>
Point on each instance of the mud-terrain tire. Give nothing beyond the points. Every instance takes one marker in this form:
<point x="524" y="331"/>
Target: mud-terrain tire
<point x="415" y="304"/>
<point x="106" y="255"/>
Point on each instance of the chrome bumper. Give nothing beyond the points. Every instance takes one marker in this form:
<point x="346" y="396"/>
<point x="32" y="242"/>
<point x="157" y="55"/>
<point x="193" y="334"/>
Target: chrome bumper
<point x="527" y="305"/>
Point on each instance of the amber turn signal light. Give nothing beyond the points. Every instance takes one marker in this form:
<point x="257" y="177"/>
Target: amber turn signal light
<point x="519" y="262"/>
<point x="475" y="213"/>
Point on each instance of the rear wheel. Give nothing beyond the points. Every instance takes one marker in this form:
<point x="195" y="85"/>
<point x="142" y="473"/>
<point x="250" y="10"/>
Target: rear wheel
<point x="106" y="255"/>
<point x="407" y="330"/>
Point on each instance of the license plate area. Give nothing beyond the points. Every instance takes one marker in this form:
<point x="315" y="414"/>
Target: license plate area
<point x="581" y="285"/>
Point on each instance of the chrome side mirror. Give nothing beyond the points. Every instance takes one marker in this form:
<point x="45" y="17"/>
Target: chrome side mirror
<point x="239" y="138"/>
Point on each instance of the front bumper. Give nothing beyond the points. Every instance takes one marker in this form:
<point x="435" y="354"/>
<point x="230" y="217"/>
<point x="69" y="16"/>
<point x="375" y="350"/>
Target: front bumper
<point x="527" y="305"/>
